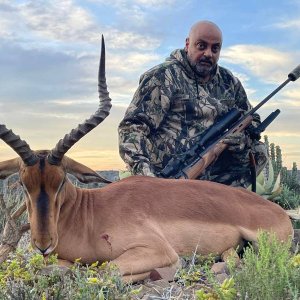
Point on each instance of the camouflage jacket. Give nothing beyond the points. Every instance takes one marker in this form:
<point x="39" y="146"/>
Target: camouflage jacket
<point x="170" y="110"/>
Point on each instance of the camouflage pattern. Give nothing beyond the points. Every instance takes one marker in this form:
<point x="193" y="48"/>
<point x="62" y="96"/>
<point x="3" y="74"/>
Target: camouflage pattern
<point x="170" y="110"/>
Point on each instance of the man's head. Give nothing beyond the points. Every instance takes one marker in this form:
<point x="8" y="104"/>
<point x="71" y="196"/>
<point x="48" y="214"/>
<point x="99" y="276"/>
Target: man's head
<point x="203" y="46"/>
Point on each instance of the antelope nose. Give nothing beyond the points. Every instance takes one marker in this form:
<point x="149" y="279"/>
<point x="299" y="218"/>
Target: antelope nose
<point x="42" y="249"/>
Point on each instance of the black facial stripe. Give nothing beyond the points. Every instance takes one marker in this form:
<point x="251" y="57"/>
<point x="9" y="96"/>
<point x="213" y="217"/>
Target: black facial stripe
<point x="42" y="164"/>
<point x="43" y="207"/>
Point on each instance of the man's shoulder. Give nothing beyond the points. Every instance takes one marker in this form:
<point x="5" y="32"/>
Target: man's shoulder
<point x="227" y="75"/>
<point x="161" y="68"/>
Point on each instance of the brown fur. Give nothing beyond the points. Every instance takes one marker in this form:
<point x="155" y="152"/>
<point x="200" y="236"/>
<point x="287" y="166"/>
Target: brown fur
<point x="141" y="223"/>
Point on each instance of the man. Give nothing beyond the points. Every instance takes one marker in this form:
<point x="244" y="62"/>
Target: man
<point x="180" y="98"/>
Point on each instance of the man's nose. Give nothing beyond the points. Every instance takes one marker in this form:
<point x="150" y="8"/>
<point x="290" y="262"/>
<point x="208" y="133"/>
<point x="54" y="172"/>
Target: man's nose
<point x="208" y="52"/>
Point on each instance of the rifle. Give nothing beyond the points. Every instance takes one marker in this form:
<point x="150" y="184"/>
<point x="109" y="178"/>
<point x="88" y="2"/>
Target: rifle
<point x="191" y="164"/>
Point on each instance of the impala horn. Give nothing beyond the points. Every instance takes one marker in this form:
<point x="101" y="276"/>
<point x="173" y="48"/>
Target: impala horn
<point x="76" y="134"/>
<point x="18" y="145"/>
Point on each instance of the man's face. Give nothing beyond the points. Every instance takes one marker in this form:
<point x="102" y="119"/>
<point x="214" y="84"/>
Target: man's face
<point x="203" y="48"/>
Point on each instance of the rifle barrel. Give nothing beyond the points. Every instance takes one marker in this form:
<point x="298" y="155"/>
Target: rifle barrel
<point x="260" y="104"/>
<point x="267" y="121"/>
<point x="295" y="74"/>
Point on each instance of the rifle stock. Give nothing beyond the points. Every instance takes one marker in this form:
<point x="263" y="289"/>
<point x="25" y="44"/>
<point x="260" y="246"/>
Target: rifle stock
<point x="211" y="154"/>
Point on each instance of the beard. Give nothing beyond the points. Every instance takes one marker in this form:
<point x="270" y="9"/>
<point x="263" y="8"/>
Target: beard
<point x="203" y="67"/>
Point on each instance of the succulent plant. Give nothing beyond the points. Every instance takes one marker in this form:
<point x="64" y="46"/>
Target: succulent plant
<point x="267" y="184"/>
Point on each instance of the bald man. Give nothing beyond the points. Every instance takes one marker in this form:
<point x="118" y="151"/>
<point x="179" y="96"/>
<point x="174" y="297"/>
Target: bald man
<point x="177" y="101"/>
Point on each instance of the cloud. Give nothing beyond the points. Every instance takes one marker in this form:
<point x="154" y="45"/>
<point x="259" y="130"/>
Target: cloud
<point x="285" y="123"/>
<point x="33" y="74"/>
<point x="99" y="159"/>
<point x="49" y="54"/>
<point x="42" y="129"/>
<point x="270" y="65"/>
<point x="151" y="3"/>
<point x="121" y="4"/>
<point x="133" y="60"/>
<point x="58" y="19"/>
<point x="46" y="23"/>
<point x="287" y="24"/>
<point x="9" y="25"/>
<point x="286" y="99"/>
<point x="140" y="15"/>
<point x="63" y="21"/>
<point x="28" y="75"/>
<point x="292" y="96"/>
<point x="131" y="40"/>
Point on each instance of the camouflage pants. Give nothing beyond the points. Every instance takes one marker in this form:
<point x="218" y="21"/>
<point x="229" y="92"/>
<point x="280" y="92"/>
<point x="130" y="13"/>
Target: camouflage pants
<point x="234" y="168"/>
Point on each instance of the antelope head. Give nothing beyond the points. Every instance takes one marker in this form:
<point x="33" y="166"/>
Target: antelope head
<point x="43" y="173"/>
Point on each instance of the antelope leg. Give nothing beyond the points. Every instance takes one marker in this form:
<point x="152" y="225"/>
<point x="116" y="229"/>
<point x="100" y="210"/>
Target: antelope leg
<point x="137" y="263"/>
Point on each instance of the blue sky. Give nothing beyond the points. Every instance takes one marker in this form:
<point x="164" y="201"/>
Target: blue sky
<point x="49" y="53"/>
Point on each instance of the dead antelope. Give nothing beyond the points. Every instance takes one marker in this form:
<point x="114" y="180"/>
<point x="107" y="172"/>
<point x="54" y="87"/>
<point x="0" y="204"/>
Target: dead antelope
<point x="139" y="223"/>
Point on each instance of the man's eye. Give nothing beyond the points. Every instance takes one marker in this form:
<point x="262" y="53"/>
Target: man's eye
<point x="215" y="49"/>
<point x="201" y="46"/>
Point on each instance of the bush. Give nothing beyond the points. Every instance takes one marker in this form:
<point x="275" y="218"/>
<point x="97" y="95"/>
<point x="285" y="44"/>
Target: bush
<point x="24" y="277"/>
<point x="288" y="199"/>
<point x="270" y="274"/>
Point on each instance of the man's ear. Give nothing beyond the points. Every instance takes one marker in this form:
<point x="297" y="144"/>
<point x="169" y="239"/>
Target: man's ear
<point x="187" y="43"/>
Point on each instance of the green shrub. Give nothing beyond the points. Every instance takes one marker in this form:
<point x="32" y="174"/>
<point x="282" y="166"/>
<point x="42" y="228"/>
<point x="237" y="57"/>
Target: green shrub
<point x="270" y="274"/>
<point x="197" y="270"/>
<point x="24" y="277"/>
<point x="288" y="199"/>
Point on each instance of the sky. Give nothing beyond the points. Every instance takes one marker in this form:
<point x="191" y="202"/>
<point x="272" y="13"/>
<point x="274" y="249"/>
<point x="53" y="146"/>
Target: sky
<point x="49" y="53"/>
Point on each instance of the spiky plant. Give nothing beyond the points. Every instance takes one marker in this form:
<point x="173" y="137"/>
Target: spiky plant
<point x="267" y="185"/>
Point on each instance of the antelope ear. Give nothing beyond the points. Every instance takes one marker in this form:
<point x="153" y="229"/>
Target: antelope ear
<point x="82" y="172"/>
<point x="9" y="167"/>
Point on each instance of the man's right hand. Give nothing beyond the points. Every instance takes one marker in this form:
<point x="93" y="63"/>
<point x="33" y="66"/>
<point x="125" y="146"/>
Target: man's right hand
<point x="145" y="170"/>
<point x="236" y="141"/>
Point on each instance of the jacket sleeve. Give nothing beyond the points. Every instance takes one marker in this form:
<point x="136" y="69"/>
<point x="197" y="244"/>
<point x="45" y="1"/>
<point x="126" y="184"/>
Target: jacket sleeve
<point x="143" y="116"/>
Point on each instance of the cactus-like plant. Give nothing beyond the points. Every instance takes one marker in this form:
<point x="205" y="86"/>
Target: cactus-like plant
<point x="267" y="184"/>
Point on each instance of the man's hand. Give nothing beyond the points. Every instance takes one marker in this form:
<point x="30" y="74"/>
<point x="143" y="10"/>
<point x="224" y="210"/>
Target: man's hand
<point x="145" y="170"/>
<point x="253" y="133"/>
<point x="236" y="141"/>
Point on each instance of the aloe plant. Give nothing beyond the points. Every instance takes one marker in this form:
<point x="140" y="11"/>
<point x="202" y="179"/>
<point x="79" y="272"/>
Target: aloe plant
<point x="267" y="184"/>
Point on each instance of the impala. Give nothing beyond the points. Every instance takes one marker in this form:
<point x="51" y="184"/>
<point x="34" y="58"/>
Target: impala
<point x="139" y="223"/>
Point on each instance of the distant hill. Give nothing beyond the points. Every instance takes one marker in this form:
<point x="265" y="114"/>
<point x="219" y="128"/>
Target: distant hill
<point x="111" y="175"/>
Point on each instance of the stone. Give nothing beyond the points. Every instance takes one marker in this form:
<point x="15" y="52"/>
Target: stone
<point x="166" y="273"/>
<point x="219" y="268"/>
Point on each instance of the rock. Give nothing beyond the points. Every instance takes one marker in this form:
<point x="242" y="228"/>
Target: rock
<point x="162" y="284"/>
<point x="154" y="289"/>
<point x="166" y="273"/>
<point x="231" y="256"/>
<point x="219" y="268"/>
<point x="62" y="270"/>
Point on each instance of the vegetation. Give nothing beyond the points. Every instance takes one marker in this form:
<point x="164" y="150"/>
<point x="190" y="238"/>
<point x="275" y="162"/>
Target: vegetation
<point x="271" y="273"/>
<point x="277" y="183"/>
<point x="25" y="276"/>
